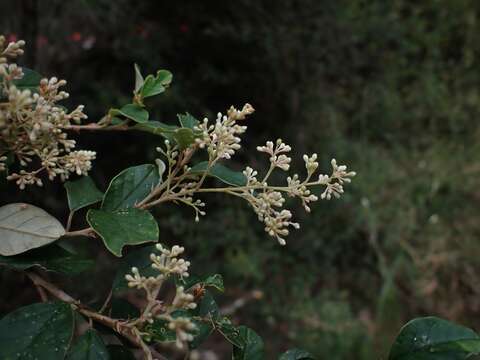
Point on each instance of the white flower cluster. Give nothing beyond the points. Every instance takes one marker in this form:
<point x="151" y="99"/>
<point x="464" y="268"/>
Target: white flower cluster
<point x="11" y="50"/>
<point x="167" y="263"/>
<point x="222" y="139"/>
<point x="32" y="126"/>
<point x="339" y="177"/>
<point x="268" y="201"/>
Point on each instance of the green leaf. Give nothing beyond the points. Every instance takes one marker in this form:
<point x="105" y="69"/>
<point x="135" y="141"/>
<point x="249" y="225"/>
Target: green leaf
<point x="156" y="85"/>
<point x="151" y="87"/>
<point x="139" y="80"/>
<point x="184" y="137"/>
<point x="207" y="308"/>
<point x="432" y="338"/>
<point x="51" y="258"/>
<point x="296" y="354"/>
<point x="82" y="193"/>
<point x="24" y="227"/>
<point x="252" y="345"/>
<point x="130" y="187"/>
<point x="132" y="112"/>
<point x="119" y="352"/>
<point x="139" y="258"/>
<point x="125" y="227"/>
<point x="221" y="172"/>
<point x="215" y="281"/>
<point x="229" y="332"/>
<point x="29" y="81"/>
<point x="187" y="121"/>
<point x="89" y="346"/>
<point x="164" y="77"/>
<point x="39" y="331"/>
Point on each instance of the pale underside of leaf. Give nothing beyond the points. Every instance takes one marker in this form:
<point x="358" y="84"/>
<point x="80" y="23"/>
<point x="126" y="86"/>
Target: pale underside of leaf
<point x="24" y="227"/>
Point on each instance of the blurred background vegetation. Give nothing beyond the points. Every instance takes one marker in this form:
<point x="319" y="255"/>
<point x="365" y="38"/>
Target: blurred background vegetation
<point x="390" y="88"/>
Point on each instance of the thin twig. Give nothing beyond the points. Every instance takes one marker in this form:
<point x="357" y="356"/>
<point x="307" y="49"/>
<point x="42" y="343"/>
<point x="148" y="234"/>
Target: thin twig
<point x="69" y="220"/>
<point x="84" y="232"/>
<point x="105" y="304"/>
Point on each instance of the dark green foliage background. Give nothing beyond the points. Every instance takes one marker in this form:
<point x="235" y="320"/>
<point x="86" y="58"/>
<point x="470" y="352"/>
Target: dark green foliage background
<point x="389" y="87"/>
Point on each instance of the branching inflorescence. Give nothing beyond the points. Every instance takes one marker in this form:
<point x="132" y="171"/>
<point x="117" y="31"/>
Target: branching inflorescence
<point x="166" y="264"/>
<point x="32" y="125"/>
<point x="221" y="140"/>
<point x="34" y="132"/>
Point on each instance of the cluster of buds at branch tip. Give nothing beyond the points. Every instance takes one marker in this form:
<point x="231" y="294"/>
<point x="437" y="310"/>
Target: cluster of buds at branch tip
<point x="32" y="126"/>
<point x="222" y="139"/>
<point x="166" y="263"/>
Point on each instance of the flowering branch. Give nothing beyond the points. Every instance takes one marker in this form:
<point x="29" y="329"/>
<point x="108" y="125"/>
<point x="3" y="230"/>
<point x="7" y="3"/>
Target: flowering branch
<point x="32" y="125"/>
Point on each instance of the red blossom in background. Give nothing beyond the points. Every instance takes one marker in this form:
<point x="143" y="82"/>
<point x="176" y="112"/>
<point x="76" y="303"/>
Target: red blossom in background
<point x="76" y="36"/>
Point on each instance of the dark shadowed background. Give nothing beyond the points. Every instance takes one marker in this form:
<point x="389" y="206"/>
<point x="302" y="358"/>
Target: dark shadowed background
<point x="390" y="88"/>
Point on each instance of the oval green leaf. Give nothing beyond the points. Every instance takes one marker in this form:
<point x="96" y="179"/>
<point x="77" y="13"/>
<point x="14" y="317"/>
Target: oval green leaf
<point x="81" y="193"/>
<point x="24" y="227"/>
<point x="39" y="331"/>
<point x="432" y="338"/>
<point x="252" y="345"/>
<point x="125" y="227"/>
<point x="130" y="187"/>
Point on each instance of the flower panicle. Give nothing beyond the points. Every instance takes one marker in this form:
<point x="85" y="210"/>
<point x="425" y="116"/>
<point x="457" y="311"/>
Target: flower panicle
<point x="32" y="125"/>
